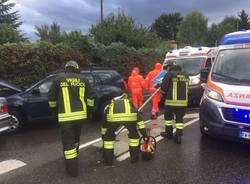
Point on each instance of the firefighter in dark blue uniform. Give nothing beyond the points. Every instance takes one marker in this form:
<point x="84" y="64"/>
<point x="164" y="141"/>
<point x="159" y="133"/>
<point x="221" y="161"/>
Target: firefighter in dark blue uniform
<point x="70" y="96"/>
<point x="121" y="112"/>
<point x="174" y="89"/>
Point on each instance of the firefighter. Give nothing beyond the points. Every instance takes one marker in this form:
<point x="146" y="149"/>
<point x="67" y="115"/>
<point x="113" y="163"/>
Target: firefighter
<point x="174" y="89"/>
<point x="149" y="84"/>
<point x="121" y="112"/>
<point x="135" y="84"/>
<point x="70" y="95"/>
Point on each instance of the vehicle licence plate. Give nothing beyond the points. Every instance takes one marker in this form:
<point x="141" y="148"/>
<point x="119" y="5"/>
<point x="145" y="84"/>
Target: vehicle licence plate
<point x="244" y="135"/>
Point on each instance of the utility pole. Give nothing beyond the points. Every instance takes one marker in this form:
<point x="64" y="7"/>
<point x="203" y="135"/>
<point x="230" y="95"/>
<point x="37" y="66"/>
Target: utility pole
<point x="102" y="21"/>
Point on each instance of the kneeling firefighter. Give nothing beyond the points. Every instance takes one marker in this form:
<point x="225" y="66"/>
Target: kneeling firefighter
<point x="69" y="96"/>
<point x="121" y="112"/>
<point x="174" y="89"/>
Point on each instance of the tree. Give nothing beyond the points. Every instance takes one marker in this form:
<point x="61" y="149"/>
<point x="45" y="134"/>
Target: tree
<point x="8" y="34"/>
<point x="212" y="36"/>
<point x="244" y="22"/>
<point x="227" y="25"/>
<point x="166" y="26"/>
<point x="51" y="34"/>
<point x="122" y="28"/>
<point x="7" y="16"/>
<point x="193" y="29"/>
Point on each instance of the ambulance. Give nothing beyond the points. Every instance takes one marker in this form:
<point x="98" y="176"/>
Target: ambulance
<point x="193" y="60"/>
<point x="225" y="105"/>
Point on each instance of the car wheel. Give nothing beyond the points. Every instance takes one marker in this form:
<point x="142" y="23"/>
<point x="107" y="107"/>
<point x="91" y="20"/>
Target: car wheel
<point x="16" y="123"/>
<point x="203" y="133"/>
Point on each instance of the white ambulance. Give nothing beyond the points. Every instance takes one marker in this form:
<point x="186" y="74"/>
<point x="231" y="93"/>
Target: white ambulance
<point x="193" y="60"/>
<point x="225" y="105"/>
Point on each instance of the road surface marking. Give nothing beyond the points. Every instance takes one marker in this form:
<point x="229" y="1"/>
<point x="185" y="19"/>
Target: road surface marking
<point x="9" y="165"/>
<point x="158" y="138"/>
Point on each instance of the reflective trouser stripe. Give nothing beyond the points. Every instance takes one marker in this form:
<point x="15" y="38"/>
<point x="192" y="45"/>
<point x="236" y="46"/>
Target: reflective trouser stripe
<point x="70" y="154"/>
<point x="141" y="124"/>
<point x="168" y="122"/>
<point x="52" y="104"/>
<point x="65" y="92"/>
<point x="179" y="125"/>
<point x="103" y="131"/>
<point x="90" y="102"/>
<point x="109" y="144"/>
<point x="133" y="142"/>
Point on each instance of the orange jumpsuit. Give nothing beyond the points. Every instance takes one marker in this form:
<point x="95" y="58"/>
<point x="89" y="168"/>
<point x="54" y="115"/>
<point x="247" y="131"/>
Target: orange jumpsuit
<point x="149" y="85"/>
<point x="135" y="84"/>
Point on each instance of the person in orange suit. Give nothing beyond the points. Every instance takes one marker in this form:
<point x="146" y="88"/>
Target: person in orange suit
<point x="135" y="85"/>
<point x="149" y="84"/>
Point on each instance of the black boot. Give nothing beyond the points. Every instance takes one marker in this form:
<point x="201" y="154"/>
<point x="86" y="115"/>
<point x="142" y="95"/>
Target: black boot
<point x="178" y="136"/>
<point x="134" y="154"/>
<point x="168" y="132"/>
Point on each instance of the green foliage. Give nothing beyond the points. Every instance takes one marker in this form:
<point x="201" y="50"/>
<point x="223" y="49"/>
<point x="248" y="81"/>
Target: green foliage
<point x="7" y="15"/>
<point x="166" y="26"/>
<point x="25" y="63"/>
<point x="212" y="36"/>
<point x="8" y="34"/>
<point x="244" y="22"/>
<point x="193" y="29"/>
<point x="123" y="29"/>
<point x="227" y="25"/>
<point x="51" y="34"/>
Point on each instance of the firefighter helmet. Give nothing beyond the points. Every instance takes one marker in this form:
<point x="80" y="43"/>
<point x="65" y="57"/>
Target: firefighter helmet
<point x="72" y="64"/>
<point x="169" y="63"/>
<point x="147" y="146"/>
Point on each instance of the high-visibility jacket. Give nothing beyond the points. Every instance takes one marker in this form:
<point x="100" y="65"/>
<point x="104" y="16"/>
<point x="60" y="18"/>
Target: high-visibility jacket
<point x="151" y="75"/>
<point x="71" y="94"/>
<point x="175" y="88"/>
<point x="121" y="111"/>
<point x="135" y="82"/>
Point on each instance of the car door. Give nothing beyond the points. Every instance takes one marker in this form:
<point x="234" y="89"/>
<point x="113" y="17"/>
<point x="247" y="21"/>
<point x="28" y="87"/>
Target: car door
<point x="36" y="105"/>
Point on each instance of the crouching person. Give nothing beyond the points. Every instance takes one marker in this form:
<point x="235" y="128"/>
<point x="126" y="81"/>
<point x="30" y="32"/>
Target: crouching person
<point x="121" y="112"/>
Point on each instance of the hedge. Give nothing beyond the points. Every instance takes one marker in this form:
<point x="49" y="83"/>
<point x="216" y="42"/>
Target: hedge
<point x="26" y="63"/>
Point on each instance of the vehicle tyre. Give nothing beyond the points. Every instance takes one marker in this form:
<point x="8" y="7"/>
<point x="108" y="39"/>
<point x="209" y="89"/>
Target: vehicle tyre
<point x="17" y="122"/>
<point x="203" y="133"/>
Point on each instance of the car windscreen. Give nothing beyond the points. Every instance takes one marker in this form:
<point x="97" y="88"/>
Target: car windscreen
<point x="233" y="66"/>
<point x="190" y="66"/>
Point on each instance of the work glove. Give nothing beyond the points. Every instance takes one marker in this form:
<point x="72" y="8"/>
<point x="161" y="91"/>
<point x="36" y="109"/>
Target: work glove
<point x="143" y="132"/>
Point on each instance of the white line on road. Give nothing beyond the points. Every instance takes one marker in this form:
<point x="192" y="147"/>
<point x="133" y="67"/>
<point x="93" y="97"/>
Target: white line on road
<point x="158" y="138"/>
<point x="9" y="165"/>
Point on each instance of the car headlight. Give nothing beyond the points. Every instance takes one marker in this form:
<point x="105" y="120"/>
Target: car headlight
<point x="213" y="95"/>
<point x="194" y="81"/>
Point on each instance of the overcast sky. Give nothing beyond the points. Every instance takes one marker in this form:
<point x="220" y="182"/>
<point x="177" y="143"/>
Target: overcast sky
<point x="80" y="14"/>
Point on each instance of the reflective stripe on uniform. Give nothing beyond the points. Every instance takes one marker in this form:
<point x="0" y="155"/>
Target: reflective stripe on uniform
<point x="90" y="102"/>
<point x="134" y="142"/>
<point x="174" y="97"/>
<point x="81" y="94"/>
<point x="109" y="144"/>
<point x="168" y="122"/>
<point x="66" y="100"/>
<point x="181" y="103"/>
<point x="70" y="154"/>
<point x="103" y="131"/>
<point x="141" y="124"/>
<point x="119" y="117"/>
<point x="179" y="125"/>
<point x="63" y="117"/>
<point x="52" y="104"/>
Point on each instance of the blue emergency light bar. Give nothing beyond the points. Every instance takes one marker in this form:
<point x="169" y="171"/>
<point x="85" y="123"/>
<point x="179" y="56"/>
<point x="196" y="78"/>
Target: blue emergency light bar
<point x="240" y="37"/>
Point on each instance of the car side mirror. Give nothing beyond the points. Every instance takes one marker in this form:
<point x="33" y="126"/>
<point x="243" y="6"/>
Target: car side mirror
<point x="204" y="74"/>
<point x="36" y="91"/>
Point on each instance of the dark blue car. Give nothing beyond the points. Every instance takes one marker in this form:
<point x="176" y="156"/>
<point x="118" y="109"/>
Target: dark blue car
<point x="32" y="104"/>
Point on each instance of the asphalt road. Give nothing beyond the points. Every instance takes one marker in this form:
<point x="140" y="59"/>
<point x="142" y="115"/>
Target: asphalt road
<point x="35" y="156"/>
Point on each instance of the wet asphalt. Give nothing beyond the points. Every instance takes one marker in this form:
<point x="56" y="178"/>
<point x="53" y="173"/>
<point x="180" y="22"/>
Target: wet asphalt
<point x="199" y="159"/>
